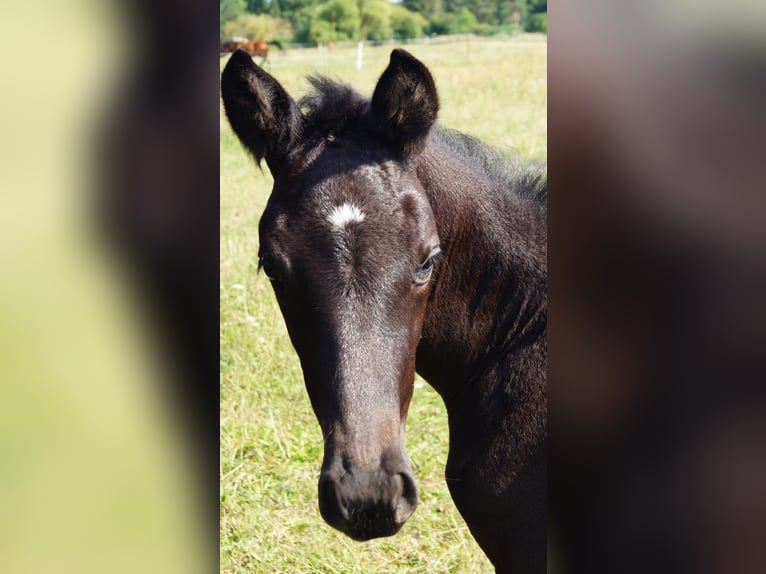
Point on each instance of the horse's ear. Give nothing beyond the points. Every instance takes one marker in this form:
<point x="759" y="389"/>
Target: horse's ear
<point x="262" y="114"/>
<point x="405" y="103"/>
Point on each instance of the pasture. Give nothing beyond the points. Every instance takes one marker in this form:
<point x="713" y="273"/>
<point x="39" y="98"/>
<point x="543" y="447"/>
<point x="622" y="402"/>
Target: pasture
<point x="271" y="444"/>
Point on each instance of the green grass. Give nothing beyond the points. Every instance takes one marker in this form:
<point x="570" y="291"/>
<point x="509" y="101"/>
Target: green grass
<point x="271" y="444"/>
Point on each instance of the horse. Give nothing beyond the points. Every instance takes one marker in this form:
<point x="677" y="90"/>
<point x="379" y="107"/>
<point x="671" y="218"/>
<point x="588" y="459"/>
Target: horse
<point x="227" y="47"/>
<point x="394" y="245"/>
<point x="254" y="48"/>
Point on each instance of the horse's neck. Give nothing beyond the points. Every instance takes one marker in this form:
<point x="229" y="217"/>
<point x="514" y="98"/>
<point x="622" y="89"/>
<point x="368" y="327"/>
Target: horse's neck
<point x="490" y="295"/>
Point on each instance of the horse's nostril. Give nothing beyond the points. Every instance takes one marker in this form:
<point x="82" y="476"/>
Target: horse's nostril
<point x="409" y="489"/>
<point x="330" y="506"/>
<point x="407" y="499"/>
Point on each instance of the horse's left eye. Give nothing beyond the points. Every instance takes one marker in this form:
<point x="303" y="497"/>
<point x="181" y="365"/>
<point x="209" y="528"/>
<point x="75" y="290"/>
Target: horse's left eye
<point x="424" y="270"/>
<point x="267" y="263"/>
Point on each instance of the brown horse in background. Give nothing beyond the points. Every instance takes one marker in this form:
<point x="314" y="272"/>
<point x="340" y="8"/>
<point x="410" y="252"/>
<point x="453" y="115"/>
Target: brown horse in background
<point x="254" y="48"/>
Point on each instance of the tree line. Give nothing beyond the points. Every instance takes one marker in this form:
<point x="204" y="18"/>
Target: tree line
<point x="326" y="21"/>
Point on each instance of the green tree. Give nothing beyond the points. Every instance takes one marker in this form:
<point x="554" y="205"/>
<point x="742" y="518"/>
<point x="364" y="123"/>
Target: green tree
<point x="230" y="9"/>
<point x="505" y="10"/>
<point x="485" y="11"/>
<point x="449" y="23"/>
<point x="257" y="6"/>
<point x="428" y="8"/>
<point x="320" y="32"/>
<point x="295" y="6"/>
<point x="374" y="19"/>
<point x="444" y="23"/>
<point x="258" y="27"/>
<point x="406" y="24"/>
<point x="275" y="9"/>
<point x="536" y="19"/>
<point x="343" y="18"/>
<point x="301" y="20"/>
<point x="466" y="21"/>
<point x="454" y="6"/>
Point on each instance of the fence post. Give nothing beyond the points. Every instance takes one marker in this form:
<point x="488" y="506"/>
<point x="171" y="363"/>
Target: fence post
<point x="359" y="55"/>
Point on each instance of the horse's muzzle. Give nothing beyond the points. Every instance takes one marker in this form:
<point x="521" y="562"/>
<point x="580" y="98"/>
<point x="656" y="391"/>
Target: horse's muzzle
<point x="366" y="504"/>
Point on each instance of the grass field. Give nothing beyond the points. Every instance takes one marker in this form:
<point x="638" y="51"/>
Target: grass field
<point x="271" y="444"/>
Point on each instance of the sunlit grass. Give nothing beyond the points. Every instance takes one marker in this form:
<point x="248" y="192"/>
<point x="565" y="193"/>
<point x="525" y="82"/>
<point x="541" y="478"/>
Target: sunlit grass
<point x="271" y="444"/>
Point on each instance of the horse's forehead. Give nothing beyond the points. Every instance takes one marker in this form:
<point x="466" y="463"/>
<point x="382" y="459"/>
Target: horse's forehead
<point x="385" y="173"/>
<point x="370" y="186"/>
<point x="373" y="195"/>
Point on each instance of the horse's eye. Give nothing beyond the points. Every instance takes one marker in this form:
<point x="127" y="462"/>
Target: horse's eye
<point x="267" y="263"/>
<point x="425" y="269"/>
<point x="423" y="272"/>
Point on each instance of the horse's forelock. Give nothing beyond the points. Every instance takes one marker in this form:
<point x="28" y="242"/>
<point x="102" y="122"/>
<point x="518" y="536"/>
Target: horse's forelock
<point x="331" y="105"/>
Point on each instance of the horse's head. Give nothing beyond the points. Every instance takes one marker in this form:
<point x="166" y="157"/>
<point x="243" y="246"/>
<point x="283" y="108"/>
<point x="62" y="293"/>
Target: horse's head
<point x="348" y="240"/>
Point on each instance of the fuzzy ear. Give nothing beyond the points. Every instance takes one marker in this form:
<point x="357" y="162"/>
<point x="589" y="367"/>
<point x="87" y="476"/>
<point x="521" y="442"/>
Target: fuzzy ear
<point x="405" y="103"/>
<point x="262" y="114"/>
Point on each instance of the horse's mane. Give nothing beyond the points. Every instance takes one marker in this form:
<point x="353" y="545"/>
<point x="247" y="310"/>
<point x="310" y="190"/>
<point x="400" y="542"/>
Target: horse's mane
<point x="526" y="178"/>
<point x="333" y="106"/>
